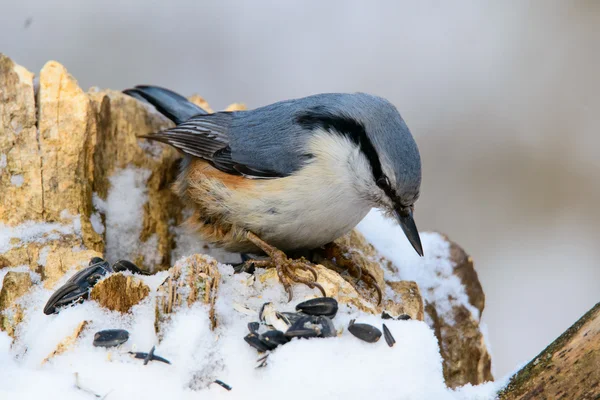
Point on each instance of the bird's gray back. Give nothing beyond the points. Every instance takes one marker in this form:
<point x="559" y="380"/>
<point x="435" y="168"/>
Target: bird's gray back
<point x="271" y="137"/>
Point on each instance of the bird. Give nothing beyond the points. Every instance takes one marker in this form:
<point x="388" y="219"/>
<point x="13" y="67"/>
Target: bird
<point x="290" y="176"/>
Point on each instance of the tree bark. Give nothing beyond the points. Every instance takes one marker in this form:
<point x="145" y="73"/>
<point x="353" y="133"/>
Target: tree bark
<point x="567" y="369"/>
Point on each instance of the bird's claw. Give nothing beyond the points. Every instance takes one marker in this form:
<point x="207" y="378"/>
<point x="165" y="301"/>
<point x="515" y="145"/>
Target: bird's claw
<point x="286" y="267"/>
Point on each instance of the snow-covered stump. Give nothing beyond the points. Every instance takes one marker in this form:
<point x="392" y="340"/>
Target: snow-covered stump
<point x="67" y="195"/>
<point x="46" y="226"/>
<point x="453" y="297"/>
<point x="77" y="183"/>
<point x="75" y="180"/>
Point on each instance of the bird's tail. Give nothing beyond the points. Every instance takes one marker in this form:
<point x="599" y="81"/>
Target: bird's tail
<point x="172" y="105"/>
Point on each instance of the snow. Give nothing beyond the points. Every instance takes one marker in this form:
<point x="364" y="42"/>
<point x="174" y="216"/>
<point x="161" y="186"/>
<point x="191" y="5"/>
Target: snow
<point x="485" y="332"/>
<point x="342" y="367"/>
<point x="2" y="161"/>
<point x="16" y="126"/>
<point x="485" y="391"/>
<point x="433" y="272"/>
<point x="123" y="209"/>
<point x="149" y="249"/>
<point x="99" y="204"/>
<point x="30" y="232"/>
<point x="20" y="268"/>
<point x="17" y="180"/>
<point x="96" y="221"/>
<point x="43" y="257"/>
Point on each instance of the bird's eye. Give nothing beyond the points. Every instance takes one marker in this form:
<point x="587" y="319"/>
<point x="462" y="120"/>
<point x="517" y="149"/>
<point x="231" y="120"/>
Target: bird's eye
<point x="383" y="182"/>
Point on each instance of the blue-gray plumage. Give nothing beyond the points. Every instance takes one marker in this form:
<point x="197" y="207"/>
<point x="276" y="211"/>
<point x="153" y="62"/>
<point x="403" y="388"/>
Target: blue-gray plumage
<point x="248" y="171"/>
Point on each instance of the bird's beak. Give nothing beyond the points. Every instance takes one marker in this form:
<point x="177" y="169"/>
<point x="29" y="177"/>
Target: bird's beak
<point x="405" y="218"/>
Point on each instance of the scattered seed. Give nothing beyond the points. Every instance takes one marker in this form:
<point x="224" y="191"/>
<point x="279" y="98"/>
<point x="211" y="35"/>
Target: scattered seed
<point x="126" y="265"/>
<point x="95" y="260"/>
<point x="253" y="327"/>
<point x="292" y="317"/>
<point x="253" y="340"/>
<point x="270" y="316"/>
<point x="273" y="338"/>
<point x="388" y="336"/>
<point x="326" y="306"/>
<point x="386" y="315"/>
<point x="262" y="361"/>
<point x="110" y="337"/>
<point x="150" y="356"/>
<point x="223" y="384"/>
<point x="365" y="332"/>
<point x="77" y="288"/>
<point x="243" y="309"/>
<point x="401" y="317"/>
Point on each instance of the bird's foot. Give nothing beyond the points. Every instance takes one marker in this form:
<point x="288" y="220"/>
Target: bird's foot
<point x="286" y="267"/>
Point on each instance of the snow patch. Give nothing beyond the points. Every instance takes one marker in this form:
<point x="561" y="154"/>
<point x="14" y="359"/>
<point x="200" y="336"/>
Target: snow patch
<point x="20" y="268"/>
<point x="484" y="391"/>
<point x="96" y="221"/>
<point x="99" y="203"/>
<point x="433" y="272"/>
<point x="30" y="232"/>
<point x="42" y="258"/>
<point x="341" y="367"/>
<point x="3" y="162"/>
<point x="17" y="180"/>
<point x="16" y="126"/>
<point x="149" y="249"/>
<point x="75" y="220"/>
<point x="483" y="328"/>
<point x="123" y="211"/>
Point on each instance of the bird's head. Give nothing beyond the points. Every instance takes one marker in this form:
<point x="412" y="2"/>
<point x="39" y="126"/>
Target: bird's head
<point x="386" y="166"/>
<point x="396" y="166"/>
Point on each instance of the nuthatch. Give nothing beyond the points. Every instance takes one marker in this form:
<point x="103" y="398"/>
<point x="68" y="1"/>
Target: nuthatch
<point x="293" y="175"/>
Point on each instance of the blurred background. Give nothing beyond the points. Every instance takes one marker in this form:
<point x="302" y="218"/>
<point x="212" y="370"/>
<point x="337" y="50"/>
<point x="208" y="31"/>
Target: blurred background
<point x="503" y="99"/>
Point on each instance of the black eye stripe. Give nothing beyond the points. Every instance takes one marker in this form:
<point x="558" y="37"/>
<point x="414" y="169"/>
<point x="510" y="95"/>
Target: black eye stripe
<point x="384" y="184"/>
<point x="317" y="117"/>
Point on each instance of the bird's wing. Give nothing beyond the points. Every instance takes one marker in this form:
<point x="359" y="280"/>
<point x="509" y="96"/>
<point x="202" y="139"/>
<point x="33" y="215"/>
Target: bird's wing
<point x="206" y="137"/>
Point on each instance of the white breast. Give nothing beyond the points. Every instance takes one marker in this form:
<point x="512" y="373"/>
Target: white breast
<point x="315" y="205"/>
